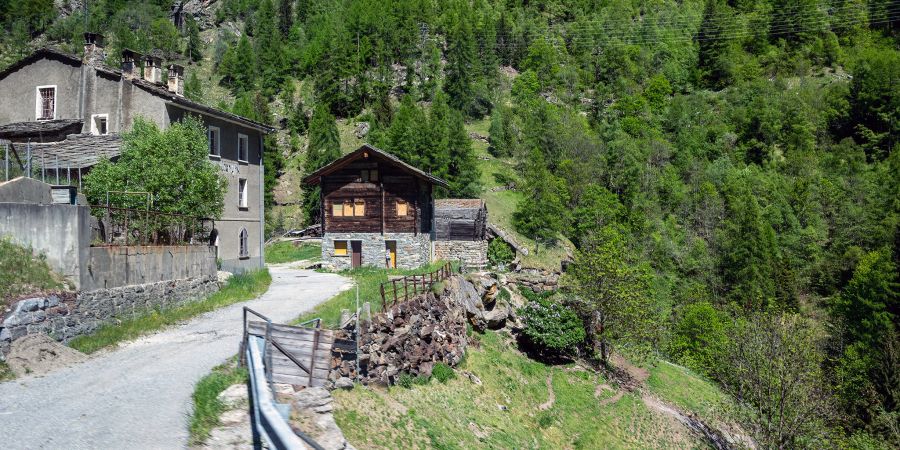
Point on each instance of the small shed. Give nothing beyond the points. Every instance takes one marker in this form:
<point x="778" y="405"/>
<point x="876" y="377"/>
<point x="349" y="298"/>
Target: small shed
<point x="460" y="231"/>
<point x="460" y="219"/>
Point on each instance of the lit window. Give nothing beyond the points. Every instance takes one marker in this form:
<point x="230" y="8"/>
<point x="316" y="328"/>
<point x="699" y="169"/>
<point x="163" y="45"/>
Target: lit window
<point x="214" y="141"/>
<point x="402" y="208"/>
<point x="359" y="208"/>
<point x="99" y="124"/>
<point x="243" y="147"/>
<point x="244" y="241"/>
<point x="242" y="193"/>
<point x="46" y="103"/>
<point x="337" y="209"/>
<point x="340" y="248"/>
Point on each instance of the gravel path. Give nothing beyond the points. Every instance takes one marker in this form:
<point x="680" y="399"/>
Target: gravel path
<point x="139" y="395"/>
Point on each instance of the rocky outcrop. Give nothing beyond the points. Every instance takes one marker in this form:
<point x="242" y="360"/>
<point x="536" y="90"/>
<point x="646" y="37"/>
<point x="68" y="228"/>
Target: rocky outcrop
<point x="480" y="296"/>
<point x="311" y="412"/>
<point x="535" y="279"/>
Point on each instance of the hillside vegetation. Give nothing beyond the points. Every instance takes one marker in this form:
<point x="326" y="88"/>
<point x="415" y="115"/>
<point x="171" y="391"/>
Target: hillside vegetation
<point x="724" y="172"/>
<point x="21" y="272"/>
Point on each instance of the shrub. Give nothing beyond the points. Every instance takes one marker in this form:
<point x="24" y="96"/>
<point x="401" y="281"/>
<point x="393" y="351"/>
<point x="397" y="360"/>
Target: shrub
<point x="442" y="372"/>
<point x="551" y="327"/>
<point x="699" y="338"/>
<point x="405" y="380"/>
<point x="499" y="252"/>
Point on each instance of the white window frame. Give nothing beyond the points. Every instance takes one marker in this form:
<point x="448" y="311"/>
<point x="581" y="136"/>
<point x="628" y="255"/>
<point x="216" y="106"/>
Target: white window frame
<point x="242" y="193"/>
<point x="209" y="131"/>
<point x="38" y="109"/>
<point x="246" y="139"/>
<point x="94" y="130"/>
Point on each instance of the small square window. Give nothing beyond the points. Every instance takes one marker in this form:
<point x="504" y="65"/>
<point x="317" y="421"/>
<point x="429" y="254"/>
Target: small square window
<point x="242" y="193"/>
<point x="340" y="248"/>
<point x="100" y="124"/>
<point x="402" y="208"/>
<point x="214" y="141"/>
<point x="243" y="147"/>
<point x="337" y="209"/>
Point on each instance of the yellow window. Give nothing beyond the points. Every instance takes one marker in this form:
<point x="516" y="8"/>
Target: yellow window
<point x="340" y="248"/>
<point x="402" y="208"/>
<point x="348" y="208"/>
<point x="359" y="208"/>
<point x="337" y="209"/>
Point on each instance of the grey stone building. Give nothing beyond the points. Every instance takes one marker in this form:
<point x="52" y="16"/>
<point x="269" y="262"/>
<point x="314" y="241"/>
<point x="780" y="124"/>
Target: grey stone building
<point x="377" y="210"/>
<point x="67" y="113"/>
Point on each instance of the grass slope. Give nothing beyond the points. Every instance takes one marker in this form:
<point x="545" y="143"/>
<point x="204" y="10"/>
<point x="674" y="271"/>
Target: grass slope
<point x="207" y="407"/>
<point x="368" y="279"/>
<point x="501" y="205"/>
<point x="240" y="287"/>
<point x="462" y="415"/>
<point x="21" y="272"/>
<point x="5" y="372"/>
<point x="282" y="252"/>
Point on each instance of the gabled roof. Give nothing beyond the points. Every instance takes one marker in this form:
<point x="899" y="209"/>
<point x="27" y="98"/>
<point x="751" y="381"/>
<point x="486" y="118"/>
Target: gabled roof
<point x="77" y="150"/>
<point x="458" y="203"/>
<point x="155" y="89"/>
<point x="362" y="152"/>
<point x="21" y="130"/>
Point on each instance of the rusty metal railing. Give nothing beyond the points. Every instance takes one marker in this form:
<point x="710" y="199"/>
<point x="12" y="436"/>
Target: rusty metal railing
<point x="405" y="288"/>
<point x="126" y="226"/>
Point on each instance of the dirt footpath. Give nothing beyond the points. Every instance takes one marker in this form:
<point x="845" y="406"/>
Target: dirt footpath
<point x="139" y="395"/>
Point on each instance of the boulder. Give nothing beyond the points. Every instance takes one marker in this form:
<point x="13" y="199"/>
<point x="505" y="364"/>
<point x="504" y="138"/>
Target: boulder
<point x="496" y="318"/>
<point x="344" y="383"/>
<point x="235" y="396"/>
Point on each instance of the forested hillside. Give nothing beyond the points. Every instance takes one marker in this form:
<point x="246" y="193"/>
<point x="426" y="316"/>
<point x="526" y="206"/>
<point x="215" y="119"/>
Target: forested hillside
<point x="727" y="171"/>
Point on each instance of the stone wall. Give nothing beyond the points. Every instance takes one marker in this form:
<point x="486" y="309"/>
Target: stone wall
<point x="471" y="253"/>
<point x="413" y="250"/>
<point x="66" y="315"/>
<point x="535" y="279"/>
<point x="411" y="338"/>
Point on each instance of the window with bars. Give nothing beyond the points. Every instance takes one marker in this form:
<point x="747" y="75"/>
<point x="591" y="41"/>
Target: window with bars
<point x="46" y="103"/>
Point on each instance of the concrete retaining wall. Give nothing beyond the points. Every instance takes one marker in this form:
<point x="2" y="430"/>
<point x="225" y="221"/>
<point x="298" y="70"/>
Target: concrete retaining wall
<point x="110" y="267"/>
<point x="61" y="232"/>
<point x="64" y="316"/>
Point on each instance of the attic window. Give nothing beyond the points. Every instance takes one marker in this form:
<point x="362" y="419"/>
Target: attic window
<point x="369" y="176"/>
<point x="100" y="124"/>
<point x="46" y="103"/>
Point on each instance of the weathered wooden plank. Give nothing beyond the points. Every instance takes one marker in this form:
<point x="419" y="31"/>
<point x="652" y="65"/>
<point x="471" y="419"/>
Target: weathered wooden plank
<point x="282" y="364"/>
<point x="289" y="332"/>
<point x="298" y="380"/>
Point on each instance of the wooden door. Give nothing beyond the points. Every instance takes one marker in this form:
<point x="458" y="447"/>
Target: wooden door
<point x="391" y="248"/>
<point x="356" y="255"/>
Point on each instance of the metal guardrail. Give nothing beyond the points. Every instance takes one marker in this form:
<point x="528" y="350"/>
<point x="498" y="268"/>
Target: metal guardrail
<point x="269" y="418"/>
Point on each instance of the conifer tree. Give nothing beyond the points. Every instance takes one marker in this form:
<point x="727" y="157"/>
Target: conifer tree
<point x="541" y="213"/>
<point x="193" y="49"/>
<point x="285" y="17"/>
<point x="461" y="68"/>
<point x="193" y="89"/>
<point x="268" y="48"/>
<point x="324" y="147"/>
<point x="715" y="61"/>
<point x="405" y="137"/>
<point x="462" y="171"/>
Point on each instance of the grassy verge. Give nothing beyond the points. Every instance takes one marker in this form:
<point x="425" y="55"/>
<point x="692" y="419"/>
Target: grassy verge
<point x="368" y="279"/>
<point x="5" y="373"/>
<point x="282" y="252"/>
<point x="239" y="288"/>
<point x="21" y="272"/>
<point x="512" y="408"/>
<point x="686" y="389"/>
<point x="207" y="407"/>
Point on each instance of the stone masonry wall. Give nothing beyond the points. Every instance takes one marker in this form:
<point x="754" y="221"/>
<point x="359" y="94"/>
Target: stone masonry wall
<point x="471" y="253"/>
<point x="66" y="315"/>
<point x="413" y="250"/>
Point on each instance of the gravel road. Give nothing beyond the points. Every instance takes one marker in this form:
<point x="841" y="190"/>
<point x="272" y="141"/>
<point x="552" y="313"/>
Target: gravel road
<point x="139" y="395"/>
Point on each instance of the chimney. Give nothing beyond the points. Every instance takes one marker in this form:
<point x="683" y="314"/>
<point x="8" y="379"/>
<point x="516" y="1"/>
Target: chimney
<point x="153" y="69"/>
<point x="176" y="79"/>
<point x="131" y="64"/>
<point x="93" y="49"/>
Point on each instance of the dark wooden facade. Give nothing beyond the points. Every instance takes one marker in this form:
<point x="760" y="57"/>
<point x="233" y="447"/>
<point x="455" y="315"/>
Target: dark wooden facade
<point x="383" y="184"/>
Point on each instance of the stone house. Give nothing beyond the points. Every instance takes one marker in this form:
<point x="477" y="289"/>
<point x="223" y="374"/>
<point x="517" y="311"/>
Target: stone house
<point x="379" y="211"/>
<point x="65" y="114"/>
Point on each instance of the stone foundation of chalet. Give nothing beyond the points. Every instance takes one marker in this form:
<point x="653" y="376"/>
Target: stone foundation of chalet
<point x="413" y="250"/>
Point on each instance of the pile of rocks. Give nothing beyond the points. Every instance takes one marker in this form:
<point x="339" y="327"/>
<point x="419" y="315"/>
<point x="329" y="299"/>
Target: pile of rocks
<point x="479" y="295"/>
<point x="412" y="337"/>
<point x="535" y="279"/>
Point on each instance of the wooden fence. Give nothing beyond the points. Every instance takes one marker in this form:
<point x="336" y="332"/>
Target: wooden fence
<point x="403" y="289"/>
